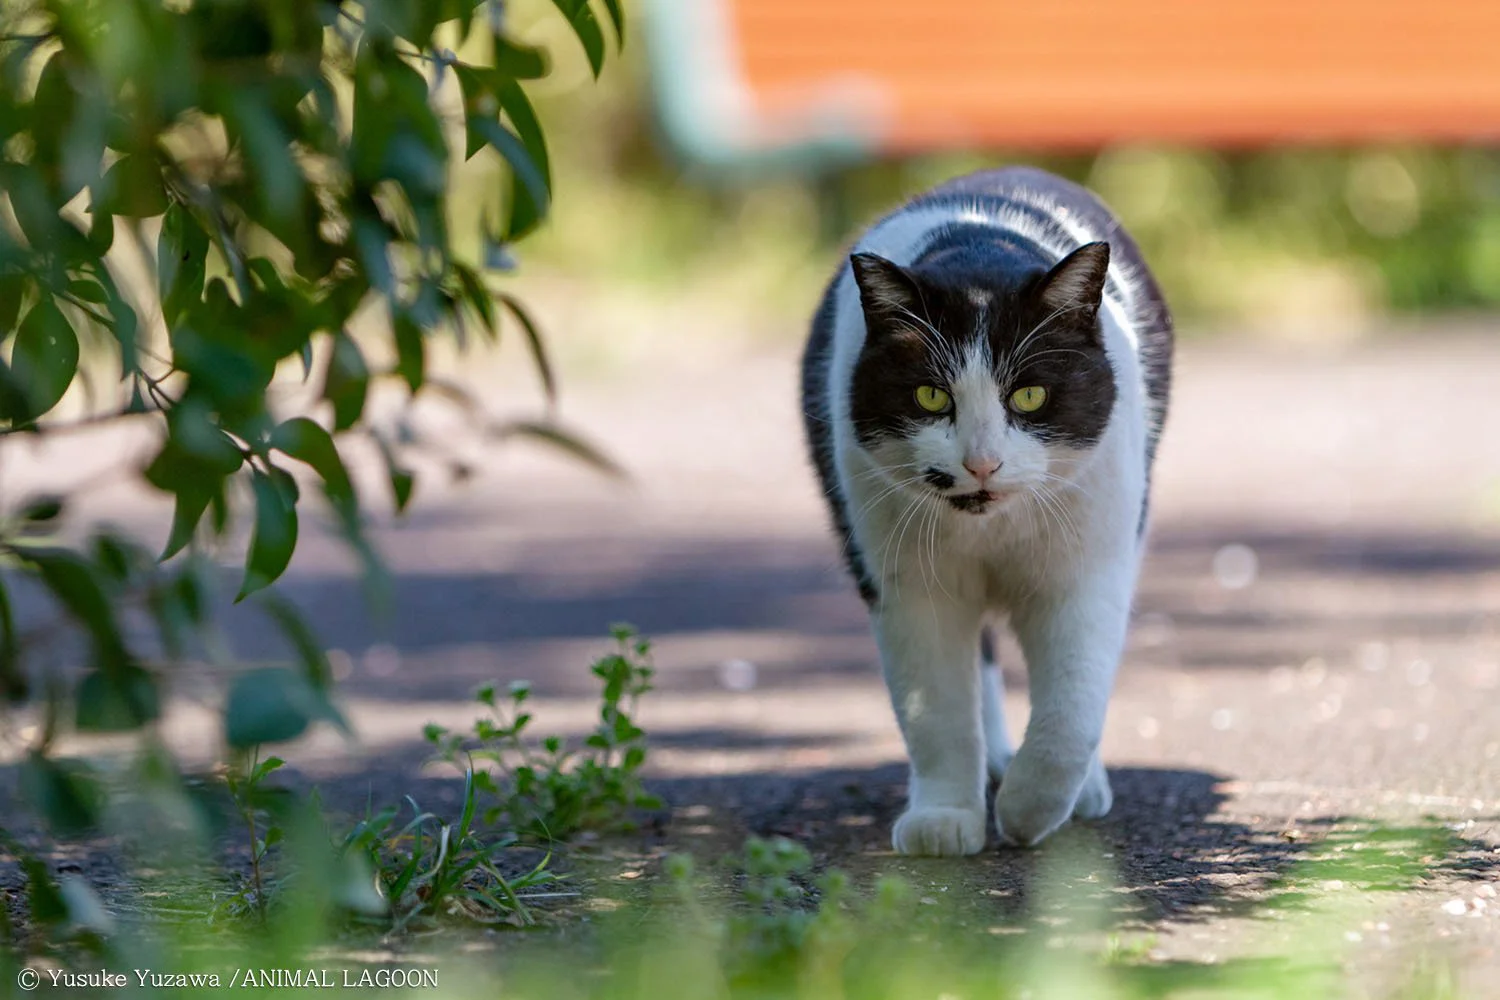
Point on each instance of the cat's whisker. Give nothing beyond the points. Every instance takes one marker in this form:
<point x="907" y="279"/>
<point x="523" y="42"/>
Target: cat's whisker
<point x="1064" y="516"/>
<point x="900" y="531"/>
<point x="892" y="488"/>
<point x="935" y="521"/>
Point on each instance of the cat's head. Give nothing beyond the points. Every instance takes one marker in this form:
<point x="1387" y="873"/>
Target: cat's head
<point x="983" y="375"/>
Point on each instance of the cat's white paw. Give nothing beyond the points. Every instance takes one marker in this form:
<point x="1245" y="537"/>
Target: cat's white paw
<point x="1025" y="817"/>
<point x="1096" y="797"/>
<point x="1037" y="796"/>
<point x="939" y="832"/>
<point x="997" y="763"/>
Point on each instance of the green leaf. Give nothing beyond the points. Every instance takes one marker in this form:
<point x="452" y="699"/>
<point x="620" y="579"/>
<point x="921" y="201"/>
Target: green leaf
<point x="187" y="510"/>
<point x="118" y="556"/>
<point x="46" y="904"/>
<point x="121" y="700"/>
<point x="64" y="794"/>
<point x="534" y="342"/>
<point x="517" y="61"/>
<point x="88" y="290"/>
<point x="265" y="767"/>
<point x="315" y="666"/>
<point x="13" y="683"/>
<point x="557" y="437"/>
<point x="581" y="18"/>
<point x="12" y="292"/>
<point x="521" y="114"/>
<point x="480" y="299"/>
<point x="181" y="252"/>
<point x="530" y="203"/>
<point x="617" y="18"/>
<point x="42" y="508"/>
<point x="411" y="357"/>
<point x="271" y="705"/>
<point x="402" y="480"/>
<point x="132" y="187"/>
<point x="33" y="205"/>
<point x="372" y="239"/>
<point x="101" y="231"/>
<point x="277" y="181"/>
<point x="44" y="359"/>
<point x="518" y="108"/>
<point x="347" y="382"/>
<point x="192" y="465"/>
<point x="305" y="441"/>
<point x="73" y="581"/>
<point x="275" y="535"/>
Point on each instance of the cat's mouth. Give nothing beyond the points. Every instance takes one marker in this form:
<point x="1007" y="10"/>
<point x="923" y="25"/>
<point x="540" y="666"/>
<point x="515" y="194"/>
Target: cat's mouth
<point x="977" y="502"/>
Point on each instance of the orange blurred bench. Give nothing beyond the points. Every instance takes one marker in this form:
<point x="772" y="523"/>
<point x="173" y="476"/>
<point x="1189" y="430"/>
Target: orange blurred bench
<point x="748" y="79"/>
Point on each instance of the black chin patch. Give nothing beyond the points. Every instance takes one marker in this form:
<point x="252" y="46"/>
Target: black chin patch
<point x="971" y="503"/>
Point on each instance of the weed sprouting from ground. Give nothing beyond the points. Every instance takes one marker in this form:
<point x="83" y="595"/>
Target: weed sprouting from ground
<point x="246" y="780"/>
<point x="547" y="788"/>
<point x="428" y="868"/>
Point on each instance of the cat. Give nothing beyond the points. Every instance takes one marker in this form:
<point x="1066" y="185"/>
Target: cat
<point x="983" y="389"/>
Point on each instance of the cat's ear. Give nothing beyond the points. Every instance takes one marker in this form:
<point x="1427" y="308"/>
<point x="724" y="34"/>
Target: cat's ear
<point x="885" y="289"/>
<point x="1075" y="286"/>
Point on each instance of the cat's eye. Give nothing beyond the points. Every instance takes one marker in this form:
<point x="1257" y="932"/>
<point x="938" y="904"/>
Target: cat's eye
<point x="932" y="399"/>
<point x="1029" y="399"/>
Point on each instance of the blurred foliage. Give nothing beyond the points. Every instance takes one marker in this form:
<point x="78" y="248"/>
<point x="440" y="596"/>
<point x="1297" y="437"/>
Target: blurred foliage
<point x="1275" y="237"/>
<point x="209" y="196"/>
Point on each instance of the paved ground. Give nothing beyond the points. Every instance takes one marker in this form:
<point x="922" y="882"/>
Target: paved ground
<point x="1317" y="645"/>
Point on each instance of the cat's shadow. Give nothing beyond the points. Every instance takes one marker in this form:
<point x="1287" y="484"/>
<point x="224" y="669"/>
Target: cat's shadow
<point x="1169" y="851"/>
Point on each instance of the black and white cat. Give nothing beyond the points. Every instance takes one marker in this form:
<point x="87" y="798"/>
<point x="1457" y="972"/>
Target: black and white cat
<point x="983" y="389"/>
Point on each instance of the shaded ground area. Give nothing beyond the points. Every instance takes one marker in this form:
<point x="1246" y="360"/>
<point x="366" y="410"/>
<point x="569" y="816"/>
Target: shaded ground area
<point x="1316" y="651"/>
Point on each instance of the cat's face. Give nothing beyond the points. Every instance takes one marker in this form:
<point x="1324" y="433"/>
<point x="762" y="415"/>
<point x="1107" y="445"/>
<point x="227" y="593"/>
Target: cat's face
<point x="983" y="377"/>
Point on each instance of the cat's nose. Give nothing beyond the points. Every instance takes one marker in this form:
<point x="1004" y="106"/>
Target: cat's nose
<point x="982" y="468"/>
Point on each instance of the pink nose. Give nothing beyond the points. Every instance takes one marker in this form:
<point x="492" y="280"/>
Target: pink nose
<point x="982" y="468"/>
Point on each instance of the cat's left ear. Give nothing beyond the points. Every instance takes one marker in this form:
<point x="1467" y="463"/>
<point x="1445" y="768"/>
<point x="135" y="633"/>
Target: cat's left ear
<point x="1075" y="286"/>
<point x="885" y="289"/>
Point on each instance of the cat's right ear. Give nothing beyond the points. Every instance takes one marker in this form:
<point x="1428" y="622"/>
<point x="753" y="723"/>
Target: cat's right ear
<point x="886" y="291"/>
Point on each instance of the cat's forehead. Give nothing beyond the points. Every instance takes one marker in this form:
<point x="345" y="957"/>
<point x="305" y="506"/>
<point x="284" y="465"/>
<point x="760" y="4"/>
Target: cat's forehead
<point x="966" y="312"/>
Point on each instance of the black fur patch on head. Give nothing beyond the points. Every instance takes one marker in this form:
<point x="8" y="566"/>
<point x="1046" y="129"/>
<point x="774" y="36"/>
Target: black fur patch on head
<point x="1041" y="322"/>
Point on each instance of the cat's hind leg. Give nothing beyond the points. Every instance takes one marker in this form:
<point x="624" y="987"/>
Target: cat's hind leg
<point x="998" y="749"/>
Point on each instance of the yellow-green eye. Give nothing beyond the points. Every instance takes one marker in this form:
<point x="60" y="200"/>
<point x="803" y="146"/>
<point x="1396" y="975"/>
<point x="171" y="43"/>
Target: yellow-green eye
<point x="932" y="399"/>
<point x="1029" y="399"/>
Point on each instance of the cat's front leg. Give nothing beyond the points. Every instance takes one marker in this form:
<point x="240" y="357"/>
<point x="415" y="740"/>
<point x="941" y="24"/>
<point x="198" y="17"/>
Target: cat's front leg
<point x="927" y="651"/>
<point x="1073" y="647"/>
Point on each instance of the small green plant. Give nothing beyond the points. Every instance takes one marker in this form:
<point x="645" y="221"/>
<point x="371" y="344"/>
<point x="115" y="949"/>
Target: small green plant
<point x="549" y="789"/>
<point x="428" y="868"/>
<point x="783" y="920"/>
<point x="256" y="803"/>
